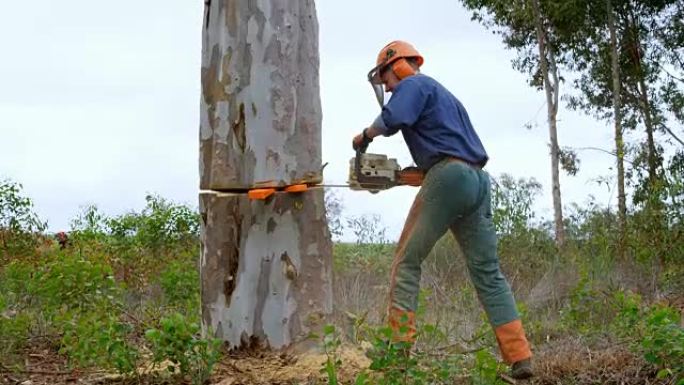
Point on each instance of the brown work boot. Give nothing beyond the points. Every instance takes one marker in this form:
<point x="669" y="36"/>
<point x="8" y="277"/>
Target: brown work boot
<point x="522" y="369"/>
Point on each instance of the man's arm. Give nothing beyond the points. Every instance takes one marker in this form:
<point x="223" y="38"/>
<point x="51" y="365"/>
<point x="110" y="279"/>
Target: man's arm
<point x="362" y="140"/>
<point x="376" y="128"/>
<point x="402" y="110"/>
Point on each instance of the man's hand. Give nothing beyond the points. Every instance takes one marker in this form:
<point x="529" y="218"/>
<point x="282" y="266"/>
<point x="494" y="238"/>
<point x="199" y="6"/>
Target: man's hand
<point x="361" y="141"/>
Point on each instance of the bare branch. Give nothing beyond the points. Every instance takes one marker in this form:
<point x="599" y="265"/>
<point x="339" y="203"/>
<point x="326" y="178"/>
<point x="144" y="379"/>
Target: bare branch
<point x="666" y="128"/>
<point x="605" y="152"/>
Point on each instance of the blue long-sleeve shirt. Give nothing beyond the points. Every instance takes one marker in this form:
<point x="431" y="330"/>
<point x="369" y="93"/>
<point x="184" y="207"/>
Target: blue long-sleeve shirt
<point x="433" y="122"/>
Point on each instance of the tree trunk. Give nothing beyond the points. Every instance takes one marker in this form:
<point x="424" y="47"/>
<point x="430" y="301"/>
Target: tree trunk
<point x="260" y="113"/>
<point x="619" y="143"/>
<point x="645" y="106"/>
<point x="648" y="122"/>
<point x="266" y="266"/>
<point x="547" y="62"/>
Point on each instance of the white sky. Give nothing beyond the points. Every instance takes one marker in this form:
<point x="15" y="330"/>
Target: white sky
<point x="99" y="101"/>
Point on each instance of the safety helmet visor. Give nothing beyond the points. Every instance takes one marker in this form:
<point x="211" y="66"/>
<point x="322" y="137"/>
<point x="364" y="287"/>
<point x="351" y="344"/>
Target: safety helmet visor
<point x="375" y="80"/>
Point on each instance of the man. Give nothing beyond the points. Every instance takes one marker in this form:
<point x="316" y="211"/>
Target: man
<point x="63" y="240"/>
<point x="455" y="194"/>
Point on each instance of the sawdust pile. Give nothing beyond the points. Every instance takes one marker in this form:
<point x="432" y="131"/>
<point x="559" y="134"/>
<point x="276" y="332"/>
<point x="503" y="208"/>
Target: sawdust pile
<point x="273" y="368"/>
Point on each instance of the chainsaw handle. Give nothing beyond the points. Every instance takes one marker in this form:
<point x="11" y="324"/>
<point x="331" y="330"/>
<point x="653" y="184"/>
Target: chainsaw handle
<point x="365" y="141"/>
<point x="357" y="163"/>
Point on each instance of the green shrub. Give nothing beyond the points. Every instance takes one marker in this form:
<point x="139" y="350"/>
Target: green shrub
<point x="363" y="257"/>
<point x="99" y="339"/>
<point x="70" y="283"/>
<point x="180" y="284"/>
<point x="653" y="331"/>
<point x="663" y="341"/>
<point x="140" y="243"/>
<point x="178" y="341"/>
<point x="589" y="311"/>
<point x="15" y="285"/>
<point x="400" y="363"/>
<point x="512" y="202"/>
<point x="14" y="334"/>
<point x="486" y="369"/>
<point x="88" y="232"/>
<point x="18" y="223"/>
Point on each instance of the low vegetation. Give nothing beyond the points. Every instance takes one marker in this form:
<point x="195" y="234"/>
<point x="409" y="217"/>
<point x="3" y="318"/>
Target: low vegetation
<point x="120" y="301"/>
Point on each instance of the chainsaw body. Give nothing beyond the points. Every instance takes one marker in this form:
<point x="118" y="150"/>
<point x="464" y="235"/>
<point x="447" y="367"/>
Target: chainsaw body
<point x="376" y="172"/>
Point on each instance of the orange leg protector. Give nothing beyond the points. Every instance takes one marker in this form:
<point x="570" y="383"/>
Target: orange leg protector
<point x="403" y="325"/>
<point x="512" y="342"/>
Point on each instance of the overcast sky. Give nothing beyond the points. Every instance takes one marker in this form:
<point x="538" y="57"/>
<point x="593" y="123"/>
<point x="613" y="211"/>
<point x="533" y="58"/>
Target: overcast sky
<point x="99" y="101"/>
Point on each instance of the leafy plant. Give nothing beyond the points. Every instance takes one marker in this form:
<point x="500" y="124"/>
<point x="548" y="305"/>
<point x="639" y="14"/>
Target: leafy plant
<point x="512" y="203"/>
<point x="392" y="362"/>
<point x="70" y="283"/>
<point x="333" y="213"/>
<point x="178" y="341"/>
<point x="653" y="331"/>
<point x="18" y="223"/>
<point x="401" y="363"/>
<point x="485" y="370"/>
<point x="331" y="342"/>
<point x="98" y="338"/>
<point x="139" y="243"/>
<point x="15" y="286"/>
<point x="14" y="333"/>
<point x="88" y="232"/>
<point x="368" y="229"/>
<point x="180" y="284"/>
<point x="663" y="342"/>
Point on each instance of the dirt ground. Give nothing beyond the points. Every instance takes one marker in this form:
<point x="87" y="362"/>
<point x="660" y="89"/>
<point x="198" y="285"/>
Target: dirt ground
<point x="562" y="362"/>
<point x="44" y="367"/>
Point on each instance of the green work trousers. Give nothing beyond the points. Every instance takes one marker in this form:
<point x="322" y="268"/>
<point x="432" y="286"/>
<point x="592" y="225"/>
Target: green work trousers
<point x="454" y="196"/>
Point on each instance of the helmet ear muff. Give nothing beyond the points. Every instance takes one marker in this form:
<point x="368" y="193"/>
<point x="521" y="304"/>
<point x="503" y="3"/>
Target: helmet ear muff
<point x="402" y="68"/>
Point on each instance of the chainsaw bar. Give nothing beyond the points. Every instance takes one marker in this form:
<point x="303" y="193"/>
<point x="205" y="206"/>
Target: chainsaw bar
<point x="367" y="172"/>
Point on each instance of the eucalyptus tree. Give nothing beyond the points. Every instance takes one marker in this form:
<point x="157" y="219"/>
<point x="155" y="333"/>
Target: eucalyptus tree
<point x="533" y="30"/>
<point x="266" y="265"/>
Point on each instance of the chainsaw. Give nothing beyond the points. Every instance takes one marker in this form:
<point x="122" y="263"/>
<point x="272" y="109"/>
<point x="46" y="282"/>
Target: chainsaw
<point x="367" y="172"/>
<point x="376" y="172"/>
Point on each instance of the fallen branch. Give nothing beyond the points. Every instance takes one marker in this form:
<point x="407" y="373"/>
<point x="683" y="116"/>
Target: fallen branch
<point x="40" y="372"/>
<point x="507" y="379"/>
<point x="4" y="369"/>
<point x="444" y="350"/>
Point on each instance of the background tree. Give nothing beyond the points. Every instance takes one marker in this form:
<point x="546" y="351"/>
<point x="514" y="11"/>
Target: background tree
<point x="618" y="50"/>
<point x="526" y="26"/>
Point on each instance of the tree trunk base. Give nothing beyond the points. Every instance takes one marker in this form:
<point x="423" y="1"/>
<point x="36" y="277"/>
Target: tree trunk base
<point x="266" y="268"/>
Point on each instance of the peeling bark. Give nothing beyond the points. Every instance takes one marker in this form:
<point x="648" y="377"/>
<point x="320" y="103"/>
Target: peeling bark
<point x="265" y="267"/>
<point x="260" y="94"/>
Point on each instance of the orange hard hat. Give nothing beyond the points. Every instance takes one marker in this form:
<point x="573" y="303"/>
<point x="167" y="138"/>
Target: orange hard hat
<point x="396" y="50"/>
<point x="393" y="54"/>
